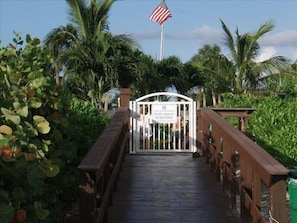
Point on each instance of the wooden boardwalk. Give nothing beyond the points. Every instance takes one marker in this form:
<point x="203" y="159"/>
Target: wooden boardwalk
<point x="169" y="188"/>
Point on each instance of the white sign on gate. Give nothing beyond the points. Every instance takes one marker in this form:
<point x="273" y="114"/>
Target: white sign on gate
<point x="164" y="113"/>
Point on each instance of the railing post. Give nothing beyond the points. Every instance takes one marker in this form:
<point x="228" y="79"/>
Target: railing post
<point x="87" y="193"/>
<point x="125" y="95"/>
<point x="256" y="189"/>
<point x="278" y="205"/>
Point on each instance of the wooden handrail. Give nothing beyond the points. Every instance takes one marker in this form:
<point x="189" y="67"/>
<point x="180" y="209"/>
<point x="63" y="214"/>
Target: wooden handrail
<point x="240" y="113"/>
<point x="246" y="167"/>
<point x="234" y="112"/>
<point x="100" y="168"/>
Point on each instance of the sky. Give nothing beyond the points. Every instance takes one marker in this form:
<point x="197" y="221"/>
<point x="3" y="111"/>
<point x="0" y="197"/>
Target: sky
<point x="194" y="23"/>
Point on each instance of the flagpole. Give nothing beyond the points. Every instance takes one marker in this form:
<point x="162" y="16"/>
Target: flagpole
<point x="160" y="15"/>
<point x="162" y="39"/>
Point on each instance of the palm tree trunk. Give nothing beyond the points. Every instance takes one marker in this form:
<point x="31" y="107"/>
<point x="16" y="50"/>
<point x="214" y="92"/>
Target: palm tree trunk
<point x="214" y="101"/>
<point x="105" y="107"/>
<point x="57" y="77"/>
<point x="219" y="99"/>
<point x="198" y="103"/>
<point x="204" y="99"/>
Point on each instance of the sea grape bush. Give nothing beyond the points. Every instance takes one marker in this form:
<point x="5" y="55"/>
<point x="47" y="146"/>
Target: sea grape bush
<point x="29" y="103"/>
<point x="44" y="132"/>
<point x="273" y="123"/>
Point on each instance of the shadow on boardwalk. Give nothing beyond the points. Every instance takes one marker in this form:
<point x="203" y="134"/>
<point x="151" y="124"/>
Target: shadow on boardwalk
<point x="156" y="188"/>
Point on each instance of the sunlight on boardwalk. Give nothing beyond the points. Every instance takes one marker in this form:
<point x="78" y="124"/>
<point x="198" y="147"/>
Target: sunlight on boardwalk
<point x="169" y="188"/>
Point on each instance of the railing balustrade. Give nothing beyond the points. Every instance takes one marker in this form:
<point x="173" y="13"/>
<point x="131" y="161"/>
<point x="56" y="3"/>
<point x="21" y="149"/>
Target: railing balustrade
<point x="99" y="170"/>
<point x="250" y="174"/>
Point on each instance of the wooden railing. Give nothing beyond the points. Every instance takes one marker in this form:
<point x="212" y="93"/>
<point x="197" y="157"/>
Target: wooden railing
<point x="245" y="169"/>
<point x="99" y="170"/>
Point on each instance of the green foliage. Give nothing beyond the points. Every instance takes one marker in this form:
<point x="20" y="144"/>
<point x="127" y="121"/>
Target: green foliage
<point x="288" y="85"/>
<point x="273" y="123"/>
<point x="43" y="135"/>
<point x="85" y="118"/>
<point x="28" y="101"/>
<point x="244" y="49"/>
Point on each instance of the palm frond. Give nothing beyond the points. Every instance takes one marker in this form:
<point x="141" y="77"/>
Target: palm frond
<point x="127" y="38"/>
<point x="229" y="39"/>
<point x="274" y="64"/>
<point x="101" y="15"/>
<point x="78" y="14"/>
<point x="263" y="29"/>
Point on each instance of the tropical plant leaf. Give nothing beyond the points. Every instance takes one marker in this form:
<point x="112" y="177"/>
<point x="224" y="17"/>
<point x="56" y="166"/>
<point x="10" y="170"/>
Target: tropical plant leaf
<point x="3" y="68"/>
<point x="40" y="154"/>
<point x="23" y="111"/>
<point x="21" y="215"/>
<point x="11" y="116"/>
<point x="5" y="129"/>
<point x="35" y="176"/>
<point x="15" y="78"/>
<point x="52" y="170"/>
<point x="8" y="69"/>
<point x="31" y="128"/>
<point x="6" y="153"/>
<point x="28" y="38"/>
<point x="31" y="93"/>
<point x="34" y="74"/>
<point x="45" y="148"/>
<point x="36" y="103"/>
<point x="4" y="141"/>
<point x="35" y="41"/>
<point x="38" y="82"/>
<point x="6" y="111"/>
<point x="18" y="194"/>
<point x="41" y="213"/>
<point x="58" y="105"/>
<point x="16" y="119"/>
<point x="6" y="213"/>
<point x="21" y="160"/>
<point x="42" y="124"/>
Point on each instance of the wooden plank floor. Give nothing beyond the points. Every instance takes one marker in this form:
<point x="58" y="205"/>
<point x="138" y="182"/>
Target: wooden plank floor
<point x="169" y="188"/>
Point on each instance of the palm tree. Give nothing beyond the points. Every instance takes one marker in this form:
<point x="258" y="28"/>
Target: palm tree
<point x="123" y="60"/>
<point x="173" y="70"/>
<point x="58" y="40"/>
<point x="147" y="78"/>
<point x="216" y="70"/>
<point x="244" y="49"/>
<point x="87" y="59"/>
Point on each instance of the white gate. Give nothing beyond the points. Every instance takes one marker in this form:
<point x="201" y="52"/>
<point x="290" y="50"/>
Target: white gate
<point x="163" y="122"/>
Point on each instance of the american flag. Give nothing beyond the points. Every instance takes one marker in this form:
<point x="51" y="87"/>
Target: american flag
<point x="161" y="13"/>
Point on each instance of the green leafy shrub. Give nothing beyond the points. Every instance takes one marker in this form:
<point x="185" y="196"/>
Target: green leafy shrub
<point x="29" y="100"/>
<point x="43" y="135"/>
<point x="85" y="118"/>
<point x="273" y="123"/>
<point x="86" y="123"/>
